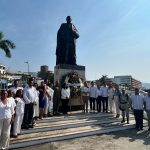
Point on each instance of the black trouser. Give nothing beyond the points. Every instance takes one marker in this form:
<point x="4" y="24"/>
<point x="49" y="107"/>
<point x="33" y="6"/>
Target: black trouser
<point x="65" y="105"/>
<point x="138" y="118"/>
<point x="56" y="102"/>
<point x="105" y="104"/>
<point x="28" y="115"/>
<point x="98" y="103"/>
<point x="92" y="103"/>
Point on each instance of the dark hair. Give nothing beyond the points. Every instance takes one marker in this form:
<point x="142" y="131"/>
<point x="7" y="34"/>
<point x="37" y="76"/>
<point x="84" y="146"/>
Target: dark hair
<point x="18" y="93"/>
<point x="31" y="79"/>
<point x="2" y="92"/>
<point x="10" y="93"/>
<point x="63" y="85"/>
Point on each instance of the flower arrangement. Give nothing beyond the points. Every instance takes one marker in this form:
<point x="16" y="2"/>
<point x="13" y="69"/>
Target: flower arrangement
<point x="75" y="83"/>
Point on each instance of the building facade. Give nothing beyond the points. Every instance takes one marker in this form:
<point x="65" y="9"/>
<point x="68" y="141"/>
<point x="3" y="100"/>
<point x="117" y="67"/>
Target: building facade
<point x="127" y="81"/>
<point x="44" y="73"/>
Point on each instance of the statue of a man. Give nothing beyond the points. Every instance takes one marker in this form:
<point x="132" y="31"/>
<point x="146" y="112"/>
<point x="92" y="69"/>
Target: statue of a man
<point x="66" y="43"/>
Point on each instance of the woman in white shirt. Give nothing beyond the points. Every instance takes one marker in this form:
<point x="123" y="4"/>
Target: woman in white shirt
<point x="65" y="95"/>
<point x="36" y="106"/>
<point x="20" y="106"/>
<point x="6" y="114"/>
<point x="12" y="100"/>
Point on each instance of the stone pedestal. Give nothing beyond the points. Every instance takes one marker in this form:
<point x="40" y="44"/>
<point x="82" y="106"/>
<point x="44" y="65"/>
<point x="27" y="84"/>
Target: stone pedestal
<point x="63" y="69"/>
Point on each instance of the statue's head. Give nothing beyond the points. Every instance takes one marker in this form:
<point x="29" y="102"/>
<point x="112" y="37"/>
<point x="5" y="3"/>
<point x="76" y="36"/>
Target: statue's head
<point x="68" y="19"/>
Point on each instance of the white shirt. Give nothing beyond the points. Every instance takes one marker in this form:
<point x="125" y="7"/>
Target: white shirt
<point x="147" y="101"/>
<point x="110" y="92"/>
<point x="50" y="91"/>
<point x="20" y="106"/>
<point x="93" y="91"/>
<point x="29" y="94"/>
<point x="104" y="91"/>
<point x="99" y="92"/>
<point x="85" y="91"/>
<point x="14" y="89"/>
<point x="12" y="100"/>
<point x="65" y="93"/>
<point x="137" y="101"/>
<point x="6" y="110"/>
<point x="36" y="95"/>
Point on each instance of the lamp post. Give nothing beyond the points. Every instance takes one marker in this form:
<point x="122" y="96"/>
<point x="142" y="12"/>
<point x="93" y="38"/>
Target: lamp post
<point x="28" y="66"/>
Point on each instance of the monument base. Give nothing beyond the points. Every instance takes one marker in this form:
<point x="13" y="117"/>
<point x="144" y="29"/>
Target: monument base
<point x="63" y="69"/>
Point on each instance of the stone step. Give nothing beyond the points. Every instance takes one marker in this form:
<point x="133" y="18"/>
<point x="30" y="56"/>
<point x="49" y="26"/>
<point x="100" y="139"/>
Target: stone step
<point x="73" y="117"/>
<point x="43" y="127"/>
<point x="68" y="127"/>
<point x="55" y="133"/>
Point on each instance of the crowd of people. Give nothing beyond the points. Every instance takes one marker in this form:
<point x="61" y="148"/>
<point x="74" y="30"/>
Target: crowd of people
<point x="109" y="98"/>
<point x="21" y="107"/>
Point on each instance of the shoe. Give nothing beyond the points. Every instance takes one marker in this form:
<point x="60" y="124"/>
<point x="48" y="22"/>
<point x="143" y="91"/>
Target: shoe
<point x="25" y="127"/>
<point x="45" y="115"/>
<point x="127" y="120"/>
<point x="15" y="136"/>
<point x="117" y="116"/>
<point x="31" y="126"/>
<point x="50" y="115"/>
<point x="149" y="129"/>
<point x="123" y="121"/>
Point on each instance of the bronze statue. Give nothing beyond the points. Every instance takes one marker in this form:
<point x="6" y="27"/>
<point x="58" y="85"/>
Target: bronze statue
<point x="66" y="43"/>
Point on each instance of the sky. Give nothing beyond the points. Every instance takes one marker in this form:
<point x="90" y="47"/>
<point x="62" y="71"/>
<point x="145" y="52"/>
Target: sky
<point x="114" y="35"/>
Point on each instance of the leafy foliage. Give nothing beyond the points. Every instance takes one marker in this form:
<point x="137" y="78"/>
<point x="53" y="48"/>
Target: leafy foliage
<point x="6" y="45"/>
<point x="103" y="79"/>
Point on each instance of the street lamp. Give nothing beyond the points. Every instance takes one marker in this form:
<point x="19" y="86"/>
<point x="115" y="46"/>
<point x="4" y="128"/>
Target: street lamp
<point x="28" y="66"/>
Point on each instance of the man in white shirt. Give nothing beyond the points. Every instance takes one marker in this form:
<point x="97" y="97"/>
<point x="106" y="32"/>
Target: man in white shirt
<point x="29" y="97"/>
<point x="104" y="90"/>
<point x="111" y="98"/>
<point x="85" y="96"/>
<point x="98" y="98"/>
<point x="138" y="105"/>
<point x="65" y="96"/>
<point x="147" y="106"/>
<point x="93" y="94"/>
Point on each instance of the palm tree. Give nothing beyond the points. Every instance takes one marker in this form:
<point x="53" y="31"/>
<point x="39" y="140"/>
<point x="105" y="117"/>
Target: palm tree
<point x="6" y="45"/>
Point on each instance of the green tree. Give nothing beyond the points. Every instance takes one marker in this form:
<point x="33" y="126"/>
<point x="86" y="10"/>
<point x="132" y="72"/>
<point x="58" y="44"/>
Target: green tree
<point x="6" y="45"/>
<point x="103" y="79"/>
